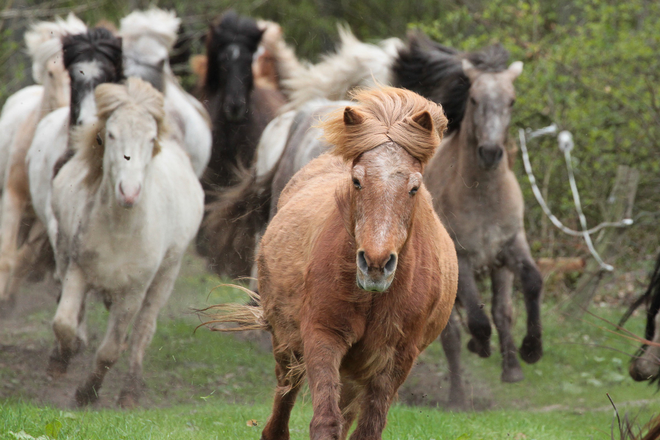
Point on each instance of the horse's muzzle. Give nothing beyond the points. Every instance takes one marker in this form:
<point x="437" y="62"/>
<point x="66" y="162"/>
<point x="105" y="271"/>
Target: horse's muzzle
<point x="375" y="276"/>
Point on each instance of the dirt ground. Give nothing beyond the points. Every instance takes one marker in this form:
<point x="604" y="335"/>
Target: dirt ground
<point x="26" y="340"/>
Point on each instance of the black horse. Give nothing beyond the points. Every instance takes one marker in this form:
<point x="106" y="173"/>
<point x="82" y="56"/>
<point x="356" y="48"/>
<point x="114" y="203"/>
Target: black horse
<point x="239" y="112"/>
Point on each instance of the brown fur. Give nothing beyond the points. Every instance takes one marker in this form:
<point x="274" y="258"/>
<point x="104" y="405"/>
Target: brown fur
<point x="389" y="115"/>
<point x="356" y="347"/>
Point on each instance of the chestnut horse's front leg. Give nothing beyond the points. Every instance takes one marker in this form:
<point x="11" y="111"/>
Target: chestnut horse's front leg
<point x="519" y="260"/>
<point x="379" y="393"/>
<point x="323" y="352"/>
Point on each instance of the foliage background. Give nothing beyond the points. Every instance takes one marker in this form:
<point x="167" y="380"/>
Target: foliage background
<point x="591" y="66"/>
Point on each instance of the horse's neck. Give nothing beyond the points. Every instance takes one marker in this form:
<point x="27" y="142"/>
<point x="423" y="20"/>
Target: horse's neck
<point x="48" y="102"/>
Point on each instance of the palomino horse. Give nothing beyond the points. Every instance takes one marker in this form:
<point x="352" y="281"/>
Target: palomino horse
<point x="356" y="273"/>
<point x="646" y="363"/>
<point x="240" y="113"/>
<point x="127" y="205"/>
<point x="479" y="200"/>
<point x="45" y="48"/>
<point x="147" y="39"/>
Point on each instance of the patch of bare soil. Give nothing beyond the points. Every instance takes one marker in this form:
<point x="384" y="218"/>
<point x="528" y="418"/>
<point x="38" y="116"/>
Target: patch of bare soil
<point x="26" y="340"/>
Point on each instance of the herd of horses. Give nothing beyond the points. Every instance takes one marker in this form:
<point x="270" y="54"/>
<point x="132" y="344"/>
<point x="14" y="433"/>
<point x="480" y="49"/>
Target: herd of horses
<point x="363" y="195"/>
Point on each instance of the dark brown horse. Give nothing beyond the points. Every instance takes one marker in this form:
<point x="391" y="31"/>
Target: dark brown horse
<point x="646" y="363"/>
<point x="356" y="273"/>
<point x="239" y="112"/>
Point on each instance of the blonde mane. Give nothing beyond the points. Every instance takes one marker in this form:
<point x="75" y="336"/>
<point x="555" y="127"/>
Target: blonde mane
<point x="134" y="93"/>
<point x="157" y="23"/>
<point x="386" y="114"/>
<point x="43" y="41"/>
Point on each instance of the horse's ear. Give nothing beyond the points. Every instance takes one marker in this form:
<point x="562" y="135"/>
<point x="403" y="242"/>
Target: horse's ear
<point x="515" y="69"/>
<point x="352" y="116"/>
<point x="424" y="119"/>
<point x="469" y="70"/>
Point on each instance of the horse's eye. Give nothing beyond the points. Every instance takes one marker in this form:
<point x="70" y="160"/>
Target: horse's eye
<point x="473" y="101"/>
<point x="111" y="136"/>
<point x="513" y="101"/>
<point x="50" y="75"/>
<point x="413" y="191"/>
<point x="356" y="183"/>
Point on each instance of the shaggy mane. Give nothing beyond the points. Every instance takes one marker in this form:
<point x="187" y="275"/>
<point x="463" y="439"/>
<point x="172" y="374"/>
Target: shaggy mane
<point x="134" y="93"/>
<point x="436" y="71"/>
<point x="43" y="41"/>
<point x="97" y="41"/>
<point x="387" y="113"/>
<point x="157" y="23"/>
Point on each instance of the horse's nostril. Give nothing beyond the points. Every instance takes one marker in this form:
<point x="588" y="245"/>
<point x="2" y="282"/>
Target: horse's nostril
<point x="390" y="265"/>
<point x="362" y="262"/>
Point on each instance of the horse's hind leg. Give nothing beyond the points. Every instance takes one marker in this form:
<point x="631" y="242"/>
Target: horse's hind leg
<point x="502" y="283"/>
<point x="478" y="322"/>
<point x="287" y="389"/>
<point x="143" y="331"/>
<point x="451" y="344"/>
<point x="519" y="260"/>
<point x="124" y="307"/>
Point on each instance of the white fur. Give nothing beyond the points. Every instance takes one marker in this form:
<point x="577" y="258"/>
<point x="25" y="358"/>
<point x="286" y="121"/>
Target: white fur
<point x="43" y="40"/>
<point x="355" y="64"/>
<point x="272" y="143"/>
<point x="131" y="255"/>
<point x="154" y="31"/>
<point x="48" y="144"/>
<point x="16" y="110"/>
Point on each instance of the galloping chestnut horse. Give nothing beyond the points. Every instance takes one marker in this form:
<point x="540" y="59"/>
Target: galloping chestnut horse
<point x="356" y="273"/>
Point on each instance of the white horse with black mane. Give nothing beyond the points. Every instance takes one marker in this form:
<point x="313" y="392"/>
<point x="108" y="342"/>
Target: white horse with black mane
<point x="127" y="205"/>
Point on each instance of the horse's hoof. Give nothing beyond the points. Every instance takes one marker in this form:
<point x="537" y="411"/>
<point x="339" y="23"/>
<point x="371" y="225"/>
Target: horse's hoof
<point x="480" y="348"/>
<point x="531" y="350"/>
<point x="457" y="401"/>
<point x="86" y="396"/>
<point x="6" y="307"/>
<point x="127" y="400"/>
<point x="56" y="367"/>
<point x="512" y="375"/>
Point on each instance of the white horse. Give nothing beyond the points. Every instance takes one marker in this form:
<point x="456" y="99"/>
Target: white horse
<point x="127" y="205"/>
<point x="20" y="117"/>
<point x="147" y="38"/>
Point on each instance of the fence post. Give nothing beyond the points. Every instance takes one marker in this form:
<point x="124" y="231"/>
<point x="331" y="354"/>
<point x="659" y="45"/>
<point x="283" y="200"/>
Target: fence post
<point x="618" y="207"/>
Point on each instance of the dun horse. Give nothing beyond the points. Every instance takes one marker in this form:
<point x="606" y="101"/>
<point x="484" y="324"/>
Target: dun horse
<point x="479" y="200"/>
<point x="356" y="273"/>
<point x="127" y="205"/>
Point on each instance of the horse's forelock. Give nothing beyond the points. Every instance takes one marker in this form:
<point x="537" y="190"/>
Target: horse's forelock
<point x="92" y="44"/>
<point x="233" y="28"/>
<point x="386" y="115"/>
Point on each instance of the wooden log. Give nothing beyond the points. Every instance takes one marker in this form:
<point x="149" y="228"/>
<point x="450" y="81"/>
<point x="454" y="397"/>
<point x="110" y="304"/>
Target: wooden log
<point x="618" y="206"/>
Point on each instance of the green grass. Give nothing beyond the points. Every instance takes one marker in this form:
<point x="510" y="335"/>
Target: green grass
<point x="223" y="421"/>
<point x="209" y="385"/>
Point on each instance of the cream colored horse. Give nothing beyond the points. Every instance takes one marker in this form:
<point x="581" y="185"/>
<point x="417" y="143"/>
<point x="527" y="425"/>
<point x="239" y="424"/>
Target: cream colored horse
<point x="45" y="48"/>
<point x="148" y="37"/>
<point x="127" y="205"/>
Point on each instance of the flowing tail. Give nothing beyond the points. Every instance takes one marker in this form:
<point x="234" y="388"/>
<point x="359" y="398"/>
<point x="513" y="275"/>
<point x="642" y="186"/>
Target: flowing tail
<point x="248" y="316"/>
<point x="227" y="237"/>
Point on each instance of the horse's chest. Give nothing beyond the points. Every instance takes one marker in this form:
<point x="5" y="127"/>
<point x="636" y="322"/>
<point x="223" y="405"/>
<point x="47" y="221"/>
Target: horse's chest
<point x="114" y="260"/>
